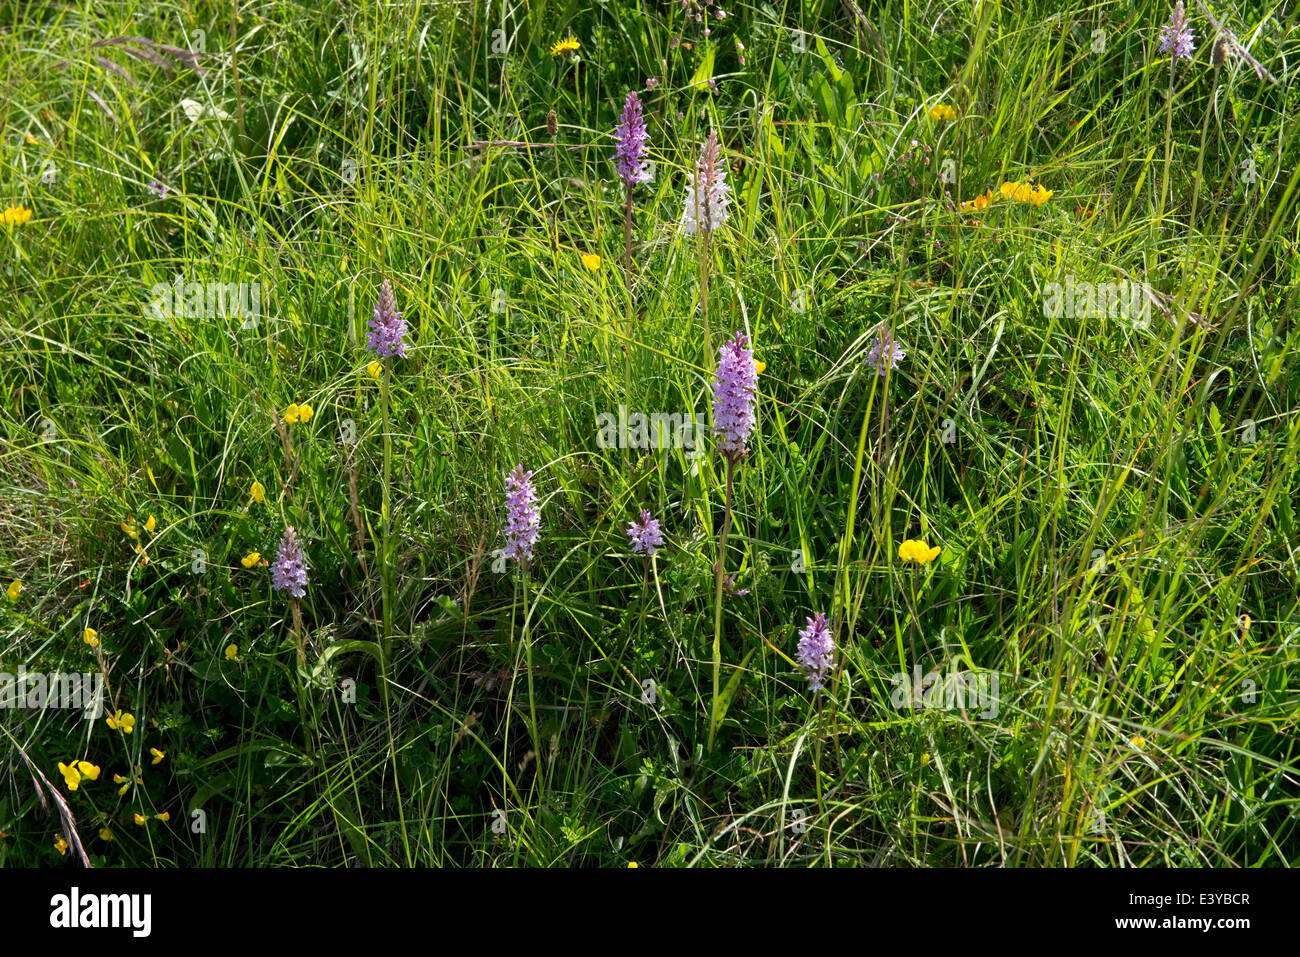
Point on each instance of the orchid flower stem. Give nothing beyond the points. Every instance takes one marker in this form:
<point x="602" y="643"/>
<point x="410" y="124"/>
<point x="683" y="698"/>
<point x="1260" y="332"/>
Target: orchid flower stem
<point x="719" y="575"/>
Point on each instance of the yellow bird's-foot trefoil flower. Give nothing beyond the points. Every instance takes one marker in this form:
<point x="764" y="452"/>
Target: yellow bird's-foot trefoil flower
<point x="916" y="550"/>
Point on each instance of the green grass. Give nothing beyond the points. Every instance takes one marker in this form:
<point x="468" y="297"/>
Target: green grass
<point x="1114" y="498"/>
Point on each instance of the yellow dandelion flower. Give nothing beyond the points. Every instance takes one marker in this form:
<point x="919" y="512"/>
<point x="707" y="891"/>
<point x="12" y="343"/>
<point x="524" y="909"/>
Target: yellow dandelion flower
<point x="14" y="588"/>
<point x="942" y="111"/>
<point x="251" y="559"/>
<point x="232" y="652"/>
<point x="150" y="524"/>
<point x="15" y="216"/>
<point x="88" y="636"/>
<point x="567" y="45"/>
<point x="591" y="261"/>
<point x="916" y="550"/>
<point x="157" y="755"/>
<point x="60" y="844"/>
<point x="375" y="368"/>
<point x="71" y="776"/>
<point x="258" y="491"/>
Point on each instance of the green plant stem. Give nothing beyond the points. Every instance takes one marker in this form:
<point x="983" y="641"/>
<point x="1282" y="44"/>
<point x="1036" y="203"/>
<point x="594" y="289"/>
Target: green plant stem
<point x="627" y="246"/>
<point x="532" y="701"/>
<point x="719" y="573"/>
<point x="386" y="564"/>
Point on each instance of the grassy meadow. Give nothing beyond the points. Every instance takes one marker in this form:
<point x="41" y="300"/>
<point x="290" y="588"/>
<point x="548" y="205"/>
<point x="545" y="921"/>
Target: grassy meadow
<point x="1079" y="249"/>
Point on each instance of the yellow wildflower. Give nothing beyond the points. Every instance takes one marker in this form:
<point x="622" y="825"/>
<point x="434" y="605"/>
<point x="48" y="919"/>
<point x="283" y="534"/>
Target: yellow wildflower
<point x="15" y="216"/>
<point x="633" y="864"/>
<point x="1022" y="192"/>
<point x="251" y="559"/>
<point x="130" y="530"/>
<point x="942" y="111"/>
<point x="71" y="776"/>
<point x="232" y="652"/>
<point x="157" y="755"/>
<point x="88" y="771"/>
<point x="118" y="779"/>
<point x="258" y="492"/>
<point x="164" y="816"/>
<point x="591" y="261"/>
<point x="567" y="45"/>
<point x="304" y="412"/>
<point x="105" y="834"/>
<point x="759" y="367"/>
<point x="1138" y="742"/>
<point x="88" y="636"/>
<point x="918" y="551"/>
<point x="291" y="414"/>
<point x="375" y="368"/>
<point x="978" y="203"/>
<point x="150" y="524"/>
<point x="141" y="819"/>
<point x="1008" y="189"/>
<point x="14" y="588"/>
<point x="31" y="141"/>
<point x="60" y="844"/>
<point x="122" y="720"/>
